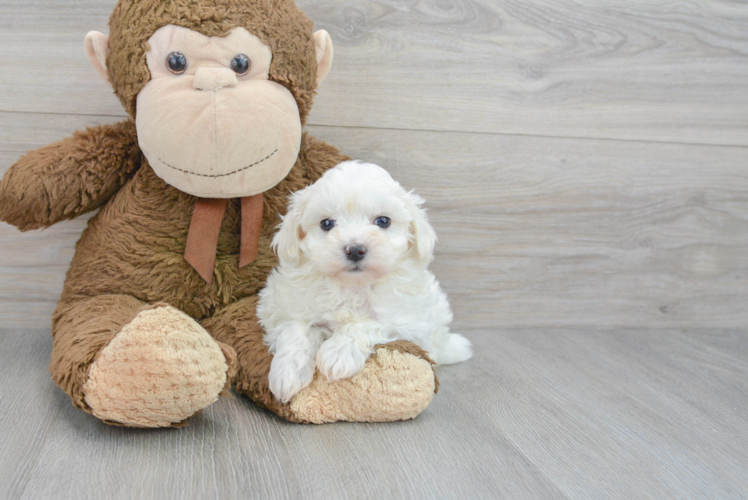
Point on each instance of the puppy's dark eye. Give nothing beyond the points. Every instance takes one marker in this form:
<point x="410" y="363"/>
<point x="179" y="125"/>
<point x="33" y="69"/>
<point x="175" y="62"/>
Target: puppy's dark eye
<point x="327" y="224"/>
<point x="176" y="62"/>
<point x="241" y="64"/>
<point x="383" y="222"/>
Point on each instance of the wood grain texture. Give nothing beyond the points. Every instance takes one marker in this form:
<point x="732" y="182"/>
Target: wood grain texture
<point x="654" y="71"/>
<point x="533" y="231"/>
<point x="27" y="406"/>
<point x="591" y="413"/>
<point x="617" y="413"/>
<point x="603" y="282"/>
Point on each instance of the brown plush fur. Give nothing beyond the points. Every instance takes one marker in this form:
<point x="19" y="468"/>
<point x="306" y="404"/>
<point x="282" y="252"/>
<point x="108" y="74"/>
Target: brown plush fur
<point x="132" y="253"/>
<point x="69" y="178"/>
<point x="278" y="23"/>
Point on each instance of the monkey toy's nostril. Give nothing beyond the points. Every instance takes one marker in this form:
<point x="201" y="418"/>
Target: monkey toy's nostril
<point x="355" y="253"/>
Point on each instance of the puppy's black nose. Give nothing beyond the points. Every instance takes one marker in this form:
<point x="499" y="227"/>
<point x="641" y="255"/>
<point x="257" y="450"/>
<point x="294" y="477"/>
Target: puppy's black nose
<point x="355" y="252"/>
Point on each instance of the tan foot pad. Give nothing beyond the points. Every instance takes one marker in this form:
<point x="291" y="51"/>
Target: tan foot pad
<point x="158" y="371"/>
<point x="392" y="386"/>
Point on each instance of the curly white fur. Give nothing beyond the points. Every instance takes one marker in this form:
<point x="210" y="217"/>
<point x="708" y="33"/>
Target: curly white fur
<point x="322" y="310"/>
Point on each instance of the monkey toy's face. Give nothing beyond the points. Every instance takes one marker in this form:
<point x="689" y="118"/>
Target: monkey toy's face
<point x="210" y="121"/>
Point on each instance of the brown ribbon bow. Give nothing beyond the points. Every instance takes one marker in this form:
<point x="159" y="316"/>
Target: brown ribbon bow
<point x="202" y="237"/>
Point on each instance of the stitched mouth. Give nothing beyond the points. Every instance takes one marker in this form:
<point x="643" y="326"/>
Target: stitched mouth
<point x="356" y="269"/>
<point x="219" y="175"/>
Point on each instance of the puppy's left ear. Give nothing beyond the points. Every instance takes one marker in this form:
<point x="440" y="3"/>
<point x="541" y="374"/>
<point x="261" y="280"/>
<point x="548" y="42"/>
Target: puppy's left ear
<point x="422" y="234"/>
<point x="287" y="241"/>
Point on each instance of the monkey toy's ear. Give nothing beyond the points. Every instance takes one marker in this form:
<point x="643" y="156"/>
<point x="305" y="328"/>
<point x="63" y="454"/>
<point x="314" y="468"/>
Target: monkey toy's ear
<point x="97" y="50"/>
<point x="323" y="44"/>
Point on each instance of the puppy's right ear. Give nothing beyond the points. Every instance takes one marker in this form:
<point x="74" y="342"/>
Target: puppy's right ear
<point x="287" y="241"/>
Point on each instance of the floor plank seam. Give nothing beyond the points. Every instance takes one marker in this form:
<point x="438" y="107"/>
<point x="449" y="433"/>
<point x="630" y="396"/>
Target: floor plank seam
<point x="539" y="136"/>
<point x="436" y="131"/>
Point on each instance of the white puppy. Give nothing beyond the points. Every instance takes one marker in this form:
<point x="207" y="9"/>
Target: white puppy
<point x="354" y="250"/>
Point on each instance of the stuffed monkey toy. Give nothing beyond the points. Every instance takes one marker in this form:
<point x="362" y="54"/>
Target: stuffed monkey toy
<point x="157" y="314"/>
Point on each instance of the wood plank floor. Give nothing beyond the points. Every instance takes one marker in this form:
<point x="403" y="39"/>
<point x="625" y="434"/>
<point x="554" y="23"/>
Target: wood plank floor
<point x="576" y="413"/>
<point x="585" y="165"/>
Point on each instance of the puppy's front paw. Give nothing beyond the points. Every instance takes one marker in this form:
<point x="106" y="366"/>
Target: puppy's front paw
<point x="341" y="357"/>
<point x="289" y="374"/>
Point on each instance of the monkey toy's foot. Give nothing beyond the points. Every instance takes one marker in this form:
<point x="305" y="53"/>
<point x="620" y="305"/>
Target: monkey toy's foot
<point x="159" y="370"/>
<point x="397" y="383"/>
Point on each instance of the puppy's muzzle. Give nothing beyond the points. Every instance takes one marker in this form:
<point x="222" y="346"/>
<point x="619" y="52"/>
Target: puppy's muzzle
<point x="355" y="253"/>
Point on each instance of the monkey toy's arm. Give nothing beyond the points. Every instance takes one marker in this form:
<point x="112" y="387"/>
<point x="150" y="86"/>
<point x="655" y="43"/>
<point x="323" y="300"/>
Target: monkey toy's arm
<point x="69" y="178"/>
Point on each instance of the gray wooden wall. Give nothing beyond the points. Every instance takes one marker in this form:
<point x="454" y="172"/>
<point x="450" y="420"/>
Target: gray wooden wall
<point x="585" y="163"/>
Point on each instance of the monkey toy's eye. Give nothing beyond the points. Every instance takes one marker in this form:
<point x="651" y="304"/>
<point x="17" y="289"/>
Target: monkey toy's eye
<point x="327" y="224"/>
<point x="383" y="222"/>
<point x="241" y="64"/>
<point x="176" y="62"/>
